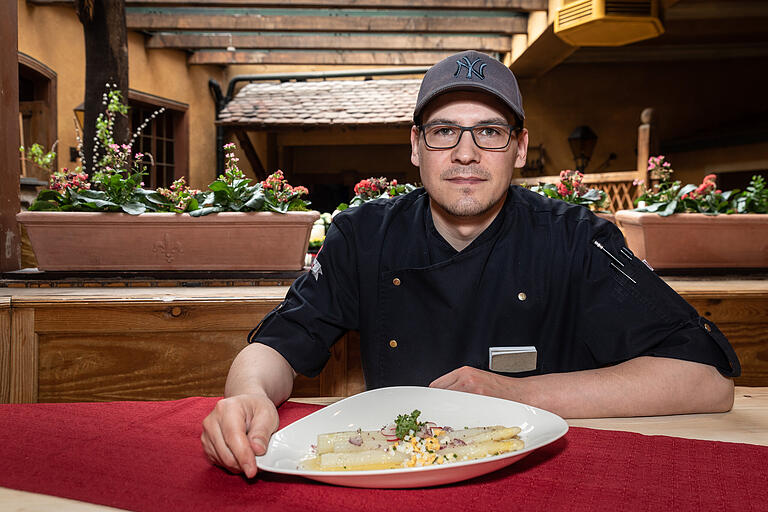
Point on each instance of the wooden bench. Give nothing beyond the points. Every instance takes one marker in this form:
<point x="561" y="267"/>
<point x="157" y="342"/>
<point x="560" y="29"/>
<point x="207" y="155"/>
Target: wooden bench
<point x="102" y="344"/>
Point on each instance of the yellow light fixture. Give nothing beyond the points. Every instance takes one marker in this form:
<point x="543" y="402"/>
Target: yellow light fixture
<point x="607" y="22"/>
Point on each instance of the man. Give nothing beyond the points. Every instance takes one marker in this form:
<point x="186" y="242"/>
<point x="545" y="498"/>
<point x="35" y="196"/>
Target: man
<point x="435" y="278"/>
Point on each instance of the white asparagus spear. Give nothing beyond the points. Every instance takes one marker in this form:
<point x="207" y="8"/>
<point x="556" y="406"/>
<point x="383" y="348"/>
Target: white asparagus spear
<point x="351" y="441"/>
<point x="362" y="460"/>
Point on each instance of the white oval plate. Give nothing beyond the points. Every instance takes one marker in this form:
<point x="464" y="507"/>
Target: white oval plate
<point x="373" y="409"/>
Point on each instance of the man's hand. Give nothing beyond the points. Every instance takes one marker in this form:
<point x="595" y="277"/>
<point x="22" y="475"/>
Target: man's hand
<point x="241" y="424"/>
<point x="472" y="380"/>
<point x="237" y="430"/>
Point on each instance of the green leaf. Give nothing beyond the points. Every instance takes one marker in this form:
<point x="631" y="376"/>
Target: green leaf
<point x="278" y="208"/>
<point x="49" y="195"/>
<point x="653" y="207"/>
<point x="205" y="211"/>
<point x="670" y="209"/>
<point x="94" y="204"/>
<point x="688" y="188"/>
<point x="133" y="208"/>
<point x="39" y="205"/>
<point x="85" y="195"/>
<point x="256" y="202"/>
<point x="218" y="186"/>
<point x="592" y="194"/>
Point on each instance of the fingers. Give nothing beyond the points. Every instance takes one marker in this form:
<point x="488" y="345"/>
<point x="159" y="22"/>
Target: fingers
<point x="217" y="450"/>
<point x="467" y="379"/>
<point x="261" y="428"/>
<point x="237" y="430"/>
<point x="447" y="381"/>
<point x="216" y="446"/>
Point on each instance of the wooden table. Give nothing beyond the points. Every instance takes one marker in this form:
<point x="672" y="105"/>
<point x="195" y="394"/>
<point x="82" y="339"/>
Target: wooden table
<point x="746" y="423"/>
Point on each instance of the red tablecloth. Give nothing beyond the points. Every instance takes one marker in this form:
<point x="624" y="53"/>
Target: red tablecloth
<point x="146" y="456"/>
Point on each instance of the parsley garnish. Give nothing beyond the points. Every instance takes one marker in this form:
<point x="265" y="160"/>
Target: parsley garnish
<point x="406" y="423"/>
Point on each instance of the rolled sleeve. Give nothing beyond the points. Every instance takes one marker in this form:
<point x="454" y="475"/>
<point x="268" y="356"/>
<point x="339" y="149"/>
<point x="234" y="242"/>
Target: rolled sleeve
<point x="319" y="308"/>
<point x="632" y="312"/>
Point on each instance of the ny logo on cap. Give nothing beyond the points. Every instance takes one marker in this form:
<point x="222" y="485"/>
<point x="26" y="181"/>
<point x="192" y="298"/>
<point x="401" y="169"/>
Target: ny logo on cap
<point x="465" y="63"/>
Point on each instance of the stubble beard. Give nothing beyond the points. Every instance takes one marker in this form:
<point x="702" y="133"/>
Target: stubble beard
<point x="468" y="205"/>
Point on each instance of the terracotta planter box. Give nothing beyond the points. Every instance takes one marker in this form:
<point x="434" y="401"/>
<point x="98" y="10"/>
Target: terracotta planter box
<point x="695" y="240"/>
<point x="168" y="241"/>
<point x="607" y="216"/>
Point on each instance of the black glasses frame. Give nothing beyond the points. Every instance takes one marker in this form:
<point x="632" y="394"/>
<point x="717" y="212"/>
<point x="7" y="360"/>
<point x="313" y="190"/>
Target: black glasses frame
<point x="512" y="129"/>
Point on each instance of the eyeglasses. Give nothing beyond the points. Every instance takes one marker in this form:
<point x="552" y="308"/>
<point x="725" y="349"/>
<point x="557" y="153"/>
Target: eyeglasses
<point x="486" y="136"/>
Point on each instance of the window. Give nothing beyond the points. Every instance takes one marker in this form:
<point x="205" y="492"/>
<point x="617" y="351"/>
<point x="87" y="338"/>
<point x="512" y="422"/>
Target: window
<point x="164" y="138"/>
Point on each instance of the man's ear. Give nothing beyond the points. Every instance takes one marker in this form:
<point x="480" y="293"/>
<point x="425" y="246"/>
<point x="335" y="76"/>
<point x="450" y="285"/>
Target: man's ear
<point x="522" y="148"/>
<point x="415" y="145"/>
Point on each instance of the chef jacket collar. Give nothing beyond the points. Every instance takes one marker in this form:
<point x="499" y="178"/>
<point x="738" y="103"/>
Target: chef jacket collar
<point x="439" y="248"/>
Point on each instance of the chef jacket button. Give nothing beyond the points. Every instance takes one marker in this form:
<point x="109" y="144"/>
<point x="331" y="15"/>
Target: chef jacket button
<point x="707" y="327"/>
<point x="522" y="296"/>
<point x="393" y="343"/>
<point x="396" y="281"/>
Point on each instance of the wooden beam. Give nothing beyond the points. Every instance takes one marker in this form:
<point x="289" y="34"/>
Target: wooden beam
<point x="23" y="351"/>
<point x="5" y="350"/>
<point x="326" y="23"/>
<point x="332" y="42"/>
<point x="506" y="5"/>
<point x="158" y="101"/>
<point x="543" y="54"/>
<point x="251" y="154"/>
<point x="319" y="57"/>
<point x="10" y="240"/>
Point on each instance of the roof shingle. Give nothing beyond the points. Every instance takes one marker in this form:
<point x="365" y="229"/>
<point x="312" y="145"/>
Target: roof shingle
<point x="325" y="103"/>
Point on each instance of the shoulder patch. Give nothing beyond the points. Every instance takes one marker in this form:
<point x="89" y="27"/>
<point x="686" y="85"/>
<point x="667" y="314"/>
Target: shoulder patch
<point x="316" y="269"/>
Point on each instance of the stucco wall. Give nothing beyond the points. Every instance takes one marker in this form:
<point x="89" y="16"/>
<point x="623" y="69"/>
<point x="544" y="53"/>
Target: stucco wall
<point x="53" y="35"/>
<point x="63" y="51"/>
<point x="690" y="98"/>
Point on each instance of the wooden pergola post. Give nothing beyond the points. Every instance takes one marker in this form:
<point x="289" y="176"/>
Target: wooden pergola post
<point x="647" y="145"/>
<point x="10" y="241"/>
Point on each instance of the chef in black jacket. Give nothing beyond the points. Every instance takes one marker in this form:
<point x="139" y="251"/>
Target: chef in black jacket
<point x="436" y="278"/>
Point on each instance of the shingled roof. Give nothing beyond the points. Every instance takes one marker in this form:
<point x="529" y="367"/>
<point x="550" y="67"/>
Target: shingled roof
<point x="323" y="103"/>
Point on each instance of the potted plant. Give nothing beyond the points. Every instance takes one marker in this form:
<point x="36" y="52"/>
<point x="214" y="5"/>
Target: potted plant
<point x="376" y="188"/>
<point x="697" y="226"/>
<point x="108" y="221"/>
<point x="365" y="190"/>
<point x="572" y="190"/>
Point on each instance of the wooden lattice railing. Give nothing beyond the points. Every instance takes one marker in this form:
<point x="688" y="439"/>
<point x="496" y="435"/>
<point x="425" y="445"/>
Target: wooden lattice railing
<point x="618" y="185"/>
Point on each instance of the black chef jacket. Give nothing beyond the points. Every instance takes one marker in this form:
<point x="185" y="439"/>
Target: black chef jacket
<point x="533" y="277"/>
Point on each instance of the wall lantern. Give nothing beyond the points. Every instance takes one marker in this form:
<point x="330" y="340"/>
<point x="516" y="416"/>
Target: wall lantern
<point x="582" y="141"/>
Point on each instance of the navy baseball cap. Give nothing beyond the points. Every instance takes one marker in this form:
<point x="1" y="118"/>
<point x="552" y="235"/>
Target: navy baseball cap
<point x="470" y="70"/>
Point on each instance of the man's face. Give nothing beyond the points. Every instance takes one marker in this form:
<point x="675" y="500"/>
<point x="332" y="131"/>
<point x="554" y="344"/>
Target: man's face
<point x="467" y="181"/>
